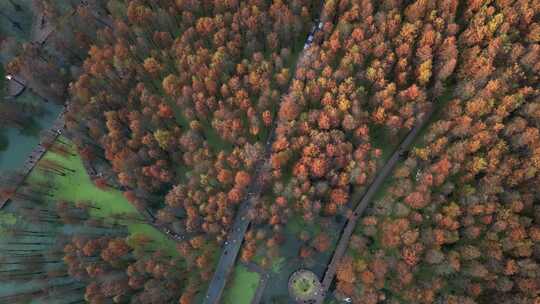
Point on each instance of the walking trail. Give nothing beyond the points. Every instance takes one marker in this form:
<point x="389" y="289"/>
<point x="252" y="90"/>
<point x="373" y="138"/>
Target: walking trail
<point x="234" y="241"/>
<point x="56" y="129"/>
<point x="366" y="200"/>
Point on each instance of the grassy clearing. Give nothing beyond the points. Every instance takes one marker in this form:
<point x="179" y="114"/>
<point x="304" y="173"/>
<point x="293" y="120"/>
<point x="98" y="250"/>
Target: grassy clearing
<point x="243" y="286"/>
<point x="277" y="264"/>
<point x="77" y="186"/>
<point x="7" y="219"/>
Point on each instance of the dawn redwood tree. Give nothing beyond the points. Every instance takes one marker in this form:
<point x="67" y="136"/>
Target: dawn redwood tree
<point x="198" y="106"/>
<point x="461" y="204"/>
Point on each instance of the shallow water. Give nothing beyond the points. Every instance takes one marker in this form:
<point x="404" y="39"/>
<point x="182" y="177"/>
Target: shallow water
<point x="18" y="144"/>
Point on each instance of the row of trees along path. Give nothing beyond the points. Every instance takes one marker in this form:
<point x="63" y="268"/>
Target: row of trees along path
<point x="348" y="229"/>
<point x="233" y="244"/>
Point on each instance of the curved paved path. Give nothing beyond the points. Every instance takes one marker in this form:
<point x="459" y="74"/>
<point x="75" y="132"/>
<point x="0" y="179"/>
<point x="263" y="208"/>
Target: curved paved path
<point x="366" y="199"/>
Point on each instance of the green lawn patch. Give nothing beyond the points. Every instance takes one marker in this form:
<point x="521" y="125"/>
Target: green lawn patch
<point x="78" y="186"/>
<point x="7" y="218"/>
<point x="277" y="264"/>
<point x="243" y="286"/>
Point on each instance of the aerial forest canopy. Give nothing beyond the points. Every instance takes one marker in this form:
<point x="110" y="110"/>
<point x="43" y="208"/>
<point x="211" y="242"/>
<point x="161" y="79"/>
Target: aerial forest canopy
<point x="189" y="93"/>
<point x="195" y="107"/>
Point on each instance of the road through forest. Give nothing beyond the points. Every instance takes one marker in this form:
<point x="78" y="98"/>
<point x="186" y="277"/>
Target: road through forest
<point x="234" y="241"/>
<point x="232" y="246"/>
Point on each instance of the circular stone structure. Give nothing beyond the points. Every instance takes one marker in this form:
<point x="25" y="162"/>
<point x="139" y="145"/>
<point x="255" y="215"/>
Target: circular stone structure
<point x="304" y="286"/>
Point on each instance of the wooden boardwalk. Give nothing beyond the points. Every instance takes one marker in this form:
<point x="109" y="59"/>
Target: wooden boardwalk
<point x="15" y="87"/>
<point x="56" y="129"/>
